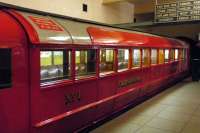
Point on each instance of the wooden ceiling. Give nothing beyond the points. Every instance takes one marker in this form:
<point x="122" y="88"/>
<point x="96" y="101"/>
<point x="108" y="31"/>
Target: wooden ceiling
<point x="131" y="1"/>
<point x="140" y="6"/>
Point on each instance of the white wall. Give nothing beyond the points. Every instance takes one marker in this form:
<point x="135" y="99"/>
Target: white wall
<point x="115" y="13"/>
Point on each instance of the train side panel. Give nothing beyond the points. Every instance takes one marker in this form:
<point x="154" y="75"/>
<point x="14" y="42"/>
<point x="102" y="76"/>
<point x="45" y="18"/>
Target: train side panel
<point x="50" y="102"/>
<point x="106" y="88"/>
<point x="14" y="96"/>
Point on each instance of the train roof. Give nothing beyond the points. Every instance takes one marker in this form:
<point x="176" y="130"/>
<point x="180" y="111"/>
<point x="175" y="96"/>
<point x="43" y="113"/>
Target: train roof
<point x="47" y="29"/>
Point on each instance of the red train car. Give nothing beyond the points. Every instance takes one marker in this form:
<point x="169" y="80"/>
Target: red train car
<point x="60" y="75"/>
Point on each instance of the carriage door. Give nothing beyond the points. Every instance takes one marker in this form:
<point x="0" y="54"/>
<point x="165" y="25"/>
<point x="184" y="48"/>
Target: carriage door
<point x="13" y="91"/>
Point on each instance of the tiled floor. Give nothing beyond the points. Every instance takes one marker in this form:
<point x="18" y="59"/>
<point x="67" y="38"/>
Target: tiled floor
<point x="176" y="110"/>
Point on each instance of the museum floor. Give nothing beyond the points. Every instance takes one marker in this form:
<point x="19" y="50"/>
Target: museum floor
<point x="175" y="110"/>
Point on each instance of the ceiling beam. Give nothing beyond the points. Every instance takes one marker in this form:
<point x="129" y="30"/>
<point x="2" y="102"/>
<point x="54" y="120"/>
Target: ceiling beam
<point x="140" y="6"/>
<point x="115" y="1"/>
<point x="144" y="7"/>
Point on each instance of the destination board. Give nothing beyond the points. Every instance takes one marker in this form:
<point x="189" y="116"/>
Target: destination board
<point x="187" y="10"/>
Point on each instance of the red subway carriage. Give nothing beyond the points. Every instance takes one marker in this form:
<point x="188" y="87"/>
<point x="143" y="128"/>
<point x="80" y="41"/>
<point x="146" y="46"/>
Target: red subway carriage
<point x="61" y="75"/>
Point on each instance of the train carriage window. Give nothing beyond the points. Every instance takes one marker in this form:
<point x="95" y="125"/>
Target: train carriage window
<point x="85" y="63"/>
<point x="161" y="56"/>
<point x="106" y="61"/>
<point x="185" y="54"/>
<point x="123" y="58"/>
<point x="145" y="57"/>
<point x="153" y="56"/>
<point x="172" y="54"/>
<point x="5" y="68"/>
<point x="136" y="58"/>
<point x="176" y="54"/>
<point x="182" y="54"/>
<point x="166" y="55"/>
<point x="55" y="65"/>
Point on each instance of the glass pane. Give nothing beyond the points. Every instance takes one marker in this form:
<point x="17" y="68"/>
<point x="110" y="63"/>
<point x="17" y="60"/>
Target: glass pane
<point x="85" y="63"/>
<point x="46" y="58"/>
<point x="161" y="56"/>
<point x="166" y="55"/>
<point x="123" y="57"/>
<point x="106" y="60"/>
<point x="176" y="54"/>
<point x="172" y="54"/>
<point x="5" y="68"/>
<point x="154" y="56"/>
<point x="109" y="55"/>
<point x="55" y="65"/>
<point x="182" y="53"/>
<point x="58" y="57"/>
<point x="145" y="57"/>
<point x="136" y="58"/>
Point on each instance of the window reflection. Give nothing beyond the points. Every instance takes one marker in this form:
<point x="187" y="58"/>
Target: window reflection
<point x="176" y="54"/>
<point x="106" y="61"/>
<point x="161" y="56"/>
<point x="166" y="55"/>
<point x="55" y="65"/>
<point x="153" y="56"/>
<point x="184" y="54"/>
<point x="136" y="58"/>
<point x="145" y="57"/>
<point x="123" y="58"/>
<point x="172" y="54"/>
<point x="85" y="63"/>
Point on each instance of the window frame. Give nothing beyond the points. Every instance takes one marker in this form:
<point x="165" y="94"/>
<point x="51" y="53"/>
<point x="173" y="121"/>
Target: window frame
<point x="177" y="54"/>
<point x="159" y="56"/>
<point x="140" y="65"/>
<point x="149" y="57"/>
<point x="123" y="69"/>
<point x="156" y="49"/>
<point x="168" y="61"/>
<point x="172" y="49"/>
<point x="57" y="79"/>
<point x="184" y="54"/>
<point x="115" y="62"/>
<point x="74" y="64"/>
